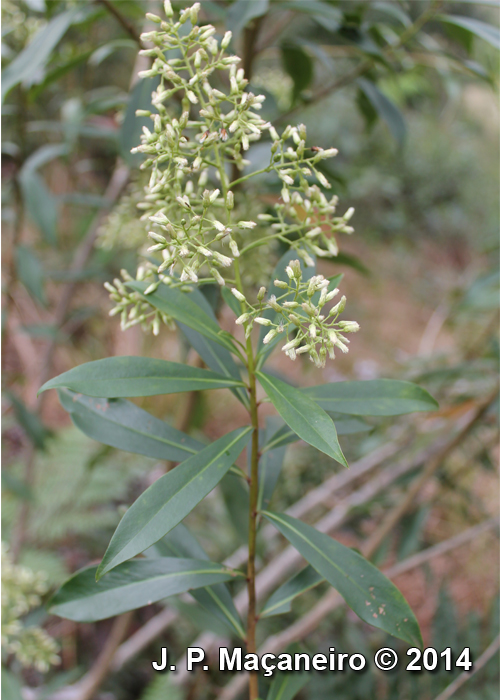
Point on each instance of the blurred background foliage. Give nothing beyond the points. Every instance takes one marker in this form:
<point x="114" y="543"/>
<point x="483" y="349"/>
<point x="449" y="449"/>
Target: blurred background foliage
<point x="407" y="91"/>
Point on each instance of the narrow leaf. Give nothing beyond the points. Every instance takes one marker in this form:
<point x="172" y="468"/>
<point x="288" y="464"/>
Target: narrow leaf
<point x="281" y="600"/>
<point x="30" y="273"/>
<point x="474" y="26"/>
<point x="132" y="585"/>
<point x="305" y="418"/>
<point x="30" y="422"/>
<point x="241" y="12"/>
<point x="385" y="108"/>
<point x="216" y="599"/>
<point x="28" y="63"/>
<point x="376" y="397"/>
<point x="216" y="357"/>
<point x="299" y="66"/>
<point x="270" y="464"/>
<point x="181" y="308"/>
<point x="167" y="502"/>
<point x="285" y="686"/>
<point x="131" y="128"/>
<point x="371" y="595"/>
<point x="118" y="377"/>
<point x="124" y="425"/>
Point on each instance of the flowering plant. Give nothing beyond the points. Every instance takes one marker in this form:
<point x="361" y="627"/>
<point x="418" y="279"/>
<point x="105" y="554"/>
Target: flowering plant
<point x="196" y="208"/>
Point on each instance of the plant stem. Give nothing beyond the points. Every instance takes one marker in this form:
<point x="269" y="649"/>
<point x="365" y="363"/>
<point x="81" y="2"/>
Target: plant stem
<point x="253" y="683"/>
<point x="252" y="520"/>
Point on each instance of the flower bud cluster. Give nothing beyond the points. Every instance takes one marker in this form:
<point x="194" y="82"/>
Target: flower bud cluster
<point x="189" y="220"/>
<point x="132" y="307"/>
<point x="299" y="314"/>
<point x="21" y="591"/>
<point x="205" y="121"/>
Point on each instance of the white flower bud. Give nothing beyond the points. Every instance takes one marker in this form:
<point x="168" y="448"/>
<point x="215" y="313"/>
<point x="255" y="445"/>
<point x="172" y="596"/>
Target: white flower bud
<point x="226" y="39"/>
<point x="349" y="326"/>
<point x="168" y="8"/>
<point x="238" y="294"/>
<point x="247" y="224"/>
<point x="281" y="284"/>
<point x="191" y="97"/>
<point x="234" y="248"/>
<point x="230" y="200"/>
<point x="242" y="319"/>
<point x="153" y="18"/>
<point x="218" y="277"/>
<point x="157" y="237"/>
<point x="272" y="334"/>
<point x="214" y="195"/>
<point x="338" y="308"/>
<point x="292" y="344"/>
<point x="322" y="179"/>
<point x="262" y="321"/>
<point x="261" y="294"/>
<point x="222" y="259"/>
<point x="152" y="288"/>
<point x="193" y="13"/>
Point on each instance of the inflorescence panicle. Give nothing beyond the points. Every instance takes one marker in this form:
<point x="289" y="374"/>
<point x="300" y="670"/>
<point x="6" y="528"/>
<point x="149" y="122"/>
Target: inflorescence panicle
<point x="195" y="215"/>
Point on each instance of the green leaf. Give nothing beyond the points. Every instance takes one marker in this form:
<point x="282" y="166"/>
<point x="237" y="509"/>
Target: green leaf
<point x="281" y="600"/>
<point x="131" y="128"/>
<point x="371" y="595"/>
<point x="30" y="422"/>
<point x="132" y="585"/>
<point x="30" y="273"/>
<point x="324" y="14"/>
<point x="476" y="27"/>
<point x="385" y="108"/>
<point x="241" y="12"/>
<point x="231" y="301"/>
<point x="216" y="599"/>
<point x="41" y="205"/>
<point x="285" y="686"/>
<point x="299" y="66"/>
<point x="343" y="426"/>
<point x="124" y="425"/>
<point x="11" y="686"/>
<point x="305" y="418"/>
<point x="28" y="63"/>
<point x="376" y="397"/>
<point x="236" y="498"/>
<point x="119" y="377"/>
<point x="214" y="356"/>
<point x="181" y="308"/>
<point x="270" y="463"/>
<point x="167" y="502"/>
<point x="106" y="50"/>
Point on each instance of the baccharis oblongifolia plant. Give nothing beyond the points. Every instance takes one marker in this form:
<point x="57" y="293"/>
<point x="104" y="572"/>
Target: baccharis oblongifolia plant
<point x="196" y="208"/>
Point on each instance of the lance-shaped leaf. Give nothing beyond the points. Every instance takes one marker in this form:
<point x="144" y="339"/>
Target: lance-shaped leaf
<point x="167" y="502"/>
<point x="285" y="686"/>
<point x="344" y="426"/>
<point x="281" y="600"/>
<point x="118" y="377"/>
<point x="180" y="307"/>
<point x="216" y="599"/>
<point x="270" y="464"/>
<point x="124" y="425"/>
<point x="377" y="397"/>
<point x="216" y="357"/>
<point x="371" y="595"/>
<point x="303" y="416"/>
<point x="132" y="585"/>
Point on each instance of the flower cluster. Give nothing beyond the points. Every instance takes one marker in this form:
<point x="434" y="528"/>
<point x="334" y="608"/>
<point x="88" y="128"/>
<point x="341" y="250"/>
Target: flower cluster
<point x="298" y="313"/>
<point x="197" y="218"/>
<point x="21" y="591"/>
